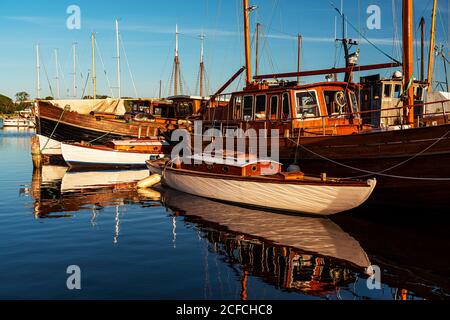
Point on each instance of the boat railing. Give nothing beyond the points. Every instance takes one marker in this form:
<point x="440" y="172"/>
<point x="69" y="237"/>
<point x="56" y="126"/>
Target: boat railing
<point x="422" y="118"/>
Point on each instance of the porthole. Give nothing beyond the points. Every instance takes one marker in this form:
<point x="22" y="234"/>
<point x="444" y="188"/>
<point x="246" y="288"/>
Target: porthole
<point x="254" y="168"/>
<point x="226" y="169"/>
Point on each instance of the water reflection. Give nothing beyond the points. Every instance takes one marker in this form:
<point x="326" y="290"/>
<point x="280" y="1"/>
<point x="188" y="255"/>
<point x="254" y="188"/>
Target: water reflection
<point x="308" y="255"/>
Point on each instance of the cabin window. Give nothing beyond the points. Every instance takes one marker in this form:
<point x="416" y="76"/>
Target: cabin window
<point x="398" y="91"/>
<point x="286" y="114"/>
<point x="387" y="90"/>
<point x="157" y="111"/>
<point x="354" y="101"/>
<point x="274" y="107"/>
<point x="260" y="108"/>
<point x="248" y="108"/>
<point x="336" y="101"/>
<point x="184" y="109"/>
<point x="419" y="94"/>
<point x="237" y="107"/>
<point x="307" y="106"/>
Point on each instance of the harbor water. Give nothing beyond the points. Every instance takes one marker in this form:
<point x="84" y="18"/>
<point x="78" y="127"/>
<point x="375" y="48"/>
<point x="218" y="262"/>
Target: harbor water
<point x="162" y="244"/>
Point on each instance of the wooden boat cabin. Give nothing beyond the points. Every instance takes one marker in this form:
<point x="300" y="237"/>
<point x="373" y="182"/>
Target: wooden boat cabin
<point x="326" y="108"/>
<point x="381" y="103"/>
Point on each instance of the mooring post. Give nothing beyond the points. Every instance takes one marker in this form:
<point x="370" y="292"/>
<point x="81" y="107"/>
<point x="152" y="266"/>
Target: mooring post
<point x="36" y="154"/>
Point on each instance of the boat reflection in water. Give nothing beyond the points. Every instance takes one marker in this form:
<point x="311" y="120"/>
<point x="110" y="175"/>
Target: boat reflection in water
<point x="312" y="256"/>
<point x="57" y="191"/>
<point x="297" y="253"/>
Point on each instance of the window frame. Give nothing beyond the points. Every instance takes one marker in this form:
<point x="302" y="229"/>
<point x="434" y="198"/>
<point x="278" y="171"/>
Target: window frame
<point x="277" y="113"/>
<point x="252" y="116"/>
<point x="265" y="107"/>
<point x="318" y="105"/>
<point x="289" y="118"/>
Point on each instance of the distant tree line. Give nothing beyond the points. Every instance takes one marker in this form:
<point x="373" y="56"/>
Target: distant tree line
<point x="8" y="106"/>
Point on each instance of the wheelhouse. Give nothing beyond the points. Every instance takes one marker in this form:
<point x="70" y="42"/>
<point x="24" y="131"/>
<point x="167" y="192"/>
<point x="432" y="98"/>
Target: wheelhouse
<point x="321" y="108"/>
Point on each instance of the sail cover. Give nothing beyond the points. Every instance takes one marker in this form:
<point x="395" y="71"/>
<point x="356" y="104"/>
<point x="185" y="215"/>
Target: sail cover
<point x="435" y="105"/>
<point x="113" y="106"/>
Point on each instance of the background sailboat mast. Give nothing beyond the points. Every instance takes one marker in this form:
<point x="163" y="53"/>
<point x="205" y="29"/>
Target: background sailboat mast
<point x="58" y="92"/>
<point x="119" y="84"/>
<point x="176" y="63"/>
<point x="408" y="60"/>
<point x="74" y="47"/>
<point x="94" y="72"/>
<point x="38" y="73"/>
<point x="431" y="55"/>
<point x="202" y="65"/>
<point x="248" y="71"/>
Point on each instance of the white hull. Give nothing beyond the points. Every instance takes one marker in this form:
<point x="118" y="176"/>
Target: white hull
<point x="304" y="198"/>
<point x="49" y="146"/>
<point x="18" y="123"/>
<point x="81" y="156"/>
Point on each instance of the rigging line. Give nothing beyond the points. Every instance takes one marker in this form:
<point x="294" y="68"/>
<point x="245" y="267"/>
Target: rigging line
<point x="382" y="173"/>
<point x="85" y="85"/>
<point x="129" y="68"/>
<point x="363" y="36"/>
<point x="63" y="78"/>
<point x="104" y="68"/>
<point x="48" y="79"/>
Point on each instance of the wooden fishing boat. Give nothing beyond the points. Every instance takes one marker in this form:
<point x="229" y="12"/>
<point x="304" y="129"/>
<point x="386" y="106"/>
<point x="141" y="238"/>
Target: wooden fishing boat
<point x="261" y="183"/>
<point x="321" y="126"/>
<point x="114" y="154"/>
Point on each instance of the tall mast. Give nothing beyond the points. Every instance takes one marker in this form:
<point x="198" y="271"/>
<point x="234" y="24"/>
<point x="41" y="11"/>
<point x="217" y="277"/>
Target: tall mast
<point x="119" y="85"/>
<point x="422" y="50"/>
<point x="408" y="60"/>
<point x="38" y="73"/>
<point x="57" y="75"/>
<point x="74" y="47"/>
<point x="202" y="65"/>
<point x="176" y="64"/>
<point x="248" y="71"/>
<point x="431" y="55"/>
<point x="299" y="55"/>
<point x="94" y="71"/>
<point x="258" y="27"/>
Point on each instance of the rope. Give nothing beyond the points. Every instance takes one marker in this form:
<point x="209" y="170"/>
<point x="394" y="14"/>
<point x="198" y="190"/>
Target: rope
<point x="101" y="137"/>
<point x="382" y="173"/>
<point x="54" y="129"/>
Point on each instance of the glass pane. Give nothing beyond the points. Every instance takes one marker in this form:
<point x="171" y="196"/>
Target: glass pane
<point x="248" y="108"/>
<point x="274" y="108"/>
<point x="307" y="106"/>
<point x="260" y="109"/>
<point x="286" y="114"/>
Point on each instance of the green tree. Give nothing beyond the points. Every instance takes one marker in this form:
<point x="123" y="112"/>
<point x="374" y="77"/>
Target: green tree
<point x="6" y="105"/>
<point x="21" y="98"/>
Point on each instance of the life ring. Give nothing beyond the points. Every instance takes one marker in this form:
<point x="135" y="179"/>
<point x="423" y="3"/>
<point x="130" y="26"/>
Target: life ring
<point x="339" y="99"/>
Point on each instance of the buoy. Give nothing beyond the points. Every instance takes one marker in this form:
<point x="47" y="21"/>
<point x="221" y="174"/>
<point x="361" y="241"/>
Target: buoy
<point x="149" y="182"/>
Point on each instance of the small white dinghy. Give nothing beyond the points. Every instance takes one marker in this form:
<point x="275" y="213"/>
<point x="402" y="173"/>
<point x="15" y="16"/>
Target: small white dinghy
<point x="261" y="183"/>
<point x="117" y="154"/>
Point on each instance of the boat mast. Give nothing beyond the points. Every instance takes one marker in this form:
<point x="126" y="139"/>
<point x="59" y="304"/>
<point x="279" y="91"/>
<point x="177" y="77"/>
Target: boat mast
<point x="432" y="41"/>
<point x="422" y="50"/>
<point x="299" y="39"/>
<point x="38" y="73"/>
<point x="258" y="27"/>
<point x="118" y="59"/>
<point x="408" y="61"/>
<point x="74" y="47"/>
<point x="202" y="65"/>
<point x="176" y="64"/>
<point x="57" y="74"/>
<point x="248" y="71"/>
<point x="94" y="72"/>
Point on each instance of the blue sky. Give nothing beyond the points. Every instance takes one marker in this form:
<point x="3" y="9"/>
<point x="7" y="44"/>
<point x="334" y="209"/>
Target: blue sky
<point x="147" y="30"/>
